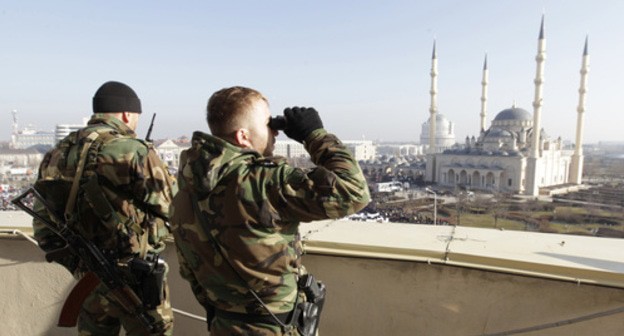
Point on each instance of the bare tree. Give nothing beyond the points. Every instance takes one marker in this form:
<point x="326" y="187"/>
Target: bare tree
<point x="461" y="197"/>
<point x="498" y="206"/>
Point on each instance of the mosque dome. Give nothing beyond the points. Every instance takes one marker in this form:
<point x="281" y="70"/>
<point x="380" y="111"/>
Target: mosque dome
<point x="514" y="119"/>
<point x="514" y="113"/>
<point x="445" y="132"/>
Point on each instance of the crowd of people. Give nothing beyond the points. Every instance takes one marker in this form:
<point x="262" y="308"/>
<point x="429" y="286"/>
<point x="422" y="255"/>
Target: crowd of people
<point x="7" y="193"/>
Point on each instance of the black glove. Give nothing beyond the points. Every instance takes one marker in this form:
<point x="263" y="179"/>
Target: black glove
<point x="300" y="122"/>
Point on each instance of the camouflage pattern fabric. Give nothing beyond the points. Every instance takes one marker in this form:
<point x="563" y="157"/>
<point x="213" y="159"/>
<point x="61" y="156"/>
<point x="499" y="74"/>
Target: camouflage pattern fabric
<point x="100" y="315"/>
<point x="227" y="327"/>
<point x="253" y="205"/>
<point x="130" y="177"/>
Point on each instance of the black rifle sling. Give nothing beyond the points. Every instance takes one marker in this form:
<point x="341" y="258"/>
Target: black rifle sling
<point x="219" y="248"/>
<point x="73" y="193"/>
<point x="93" y="192"/>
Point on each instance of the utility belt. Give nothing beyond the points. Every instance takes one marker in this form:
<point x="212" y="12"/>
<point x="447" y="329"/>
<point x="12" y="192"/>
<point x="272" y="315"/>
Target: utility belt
<point x="253" y="318"/>
<point x="305" y="317"/>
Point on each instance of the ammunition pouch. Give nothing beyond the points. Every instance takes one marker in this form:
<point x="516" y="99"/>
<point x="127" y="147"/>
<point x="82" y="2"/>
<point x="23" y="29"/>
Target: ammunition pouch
<point x="307" y="315"/>
<point x="149" y="274"/>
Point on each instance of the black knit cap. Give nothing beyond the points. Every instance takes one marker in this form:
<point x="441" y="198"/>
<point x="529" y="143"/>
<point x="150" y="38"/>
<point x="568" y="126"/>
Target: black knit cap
<point x="116" y="97"/>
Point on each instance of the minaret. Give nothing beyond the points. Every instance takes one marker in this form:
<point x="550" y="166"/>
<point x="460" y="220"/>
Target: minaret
<point x="532" y="187"/>
<point x="433" y="108"/>
<point x="430" y="169"/>
<point x="14" y="130"/>
<point x="484" y="83"/>
<point x="576" y="168"/>
<point x="14" y="114"/>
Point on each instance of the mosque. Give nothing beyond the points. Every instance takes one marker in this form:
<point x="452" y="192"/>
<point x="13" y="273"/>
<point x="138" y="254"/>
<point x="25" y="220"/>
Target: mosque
<point x="515" y="154"/>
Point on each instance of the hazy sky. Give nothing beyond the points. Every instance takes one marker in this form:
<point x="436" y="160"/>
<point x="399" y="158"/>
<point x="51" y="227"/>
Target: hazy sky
<point x="364" y="65"/>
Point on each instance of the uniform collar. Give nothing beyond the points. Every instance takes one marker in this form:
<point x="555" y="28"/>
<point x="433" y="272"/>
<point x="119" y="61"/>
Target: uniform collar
<point x="212" y="142"/>
<point x="110" y="120"/>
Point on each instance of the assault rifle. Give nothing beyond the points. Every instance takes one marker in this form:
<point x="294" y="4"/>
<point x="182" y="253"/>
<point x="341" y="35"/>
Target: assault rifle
<point x="149" y="130"/>
<point x="100" y="268"/>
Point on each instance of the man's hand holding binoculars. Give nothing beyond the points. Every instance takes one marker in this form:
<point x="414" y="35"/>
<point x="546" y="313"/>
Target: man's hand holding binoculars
<point x="297" y="122"/>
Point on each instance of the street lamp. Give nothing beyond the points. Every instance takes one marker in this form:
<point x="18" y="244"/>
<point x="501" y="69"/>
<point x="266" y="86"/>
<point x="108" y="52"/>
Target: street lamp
<point x="435" y="205"/>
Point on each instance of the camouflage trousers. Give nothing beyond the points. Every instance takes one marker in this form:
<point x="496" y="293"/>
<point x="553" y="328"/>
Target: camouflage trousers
<point x="100" y="316"/>
<point x="227" y="327"/>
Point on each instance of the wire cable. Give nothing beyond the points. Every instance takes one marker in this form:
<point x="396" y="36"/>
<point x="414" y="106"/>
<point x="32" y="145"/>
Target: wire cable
<point x="558" y="323"/>
<point x="20" y="233"/>
<point x="193" y="316"/>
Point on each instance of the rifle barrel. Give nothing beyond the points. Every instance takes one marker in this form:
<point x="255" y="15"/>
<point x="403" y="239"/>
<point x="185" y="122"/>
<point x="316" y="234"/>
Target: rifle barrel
<point x="149" y="130"/>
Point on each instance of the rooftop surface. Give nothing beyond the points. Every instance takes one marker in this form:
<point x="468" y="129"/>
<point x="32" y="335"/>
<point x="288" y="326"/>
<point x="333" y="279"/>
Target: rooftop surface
<point x="565" y="257"/>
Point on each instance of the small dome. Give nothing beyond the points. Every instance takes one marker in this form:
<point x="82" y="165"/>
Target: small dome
<point x="498" y="133"/>
<point x="514" y="113"/>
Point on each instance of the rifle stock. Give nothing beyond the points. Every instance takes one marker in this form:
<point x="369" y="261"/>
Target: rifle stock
<point x="73" y="303"/>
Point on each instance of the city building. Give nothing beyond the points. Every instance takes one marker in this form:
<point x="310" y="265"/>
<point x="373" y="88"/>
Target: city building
<point x="63" y="130"/>
<point x="400" y="149"/>
<point x="28" y="138"/>
<point x="289" y="149"/>
<point x="10" y="157"/>
<point x="169" y="151"/>
<point x="361" y="149"/>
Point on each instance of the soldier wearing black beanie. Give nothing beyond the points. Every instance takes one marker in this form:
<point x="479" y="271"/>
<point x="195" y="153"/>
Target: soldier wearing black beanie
<point x="116" y="97"/>
<point x="117" y="192"/>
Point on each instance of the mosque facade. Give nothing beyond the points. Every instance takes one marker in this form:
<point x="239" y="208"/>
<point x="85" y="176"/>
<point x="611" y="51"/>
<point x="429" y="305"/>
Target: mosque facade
<point x="498" y="158"/>
<point x="510" y="156"/>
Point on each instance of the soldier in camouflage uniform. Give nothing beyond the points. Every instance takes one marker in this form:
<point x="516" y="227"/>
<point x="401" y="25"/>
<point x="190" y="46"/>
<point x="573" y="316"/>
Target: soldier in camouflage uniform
<point x="252" y="203"/>
<point x="128" y="221"/>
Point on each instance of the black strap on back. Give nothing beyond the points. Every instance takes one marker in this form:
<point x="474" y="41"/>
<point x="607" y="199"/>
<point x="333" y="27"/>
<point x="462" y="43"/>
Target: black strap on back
<point x="88" y="141"/>
<point x="278" y="319"/>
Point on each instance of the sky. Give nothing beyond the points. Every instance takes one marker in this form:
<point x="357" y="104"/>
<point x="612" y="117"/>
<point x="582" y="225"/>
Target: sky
<point x="364" y="65"/>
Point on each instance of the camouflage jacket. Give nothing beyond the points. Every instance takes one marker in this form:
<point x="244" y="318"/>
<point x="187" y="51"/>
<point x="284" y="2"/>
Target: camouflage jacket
<point x="253" y="205"/>
<point x="130" y="177"/>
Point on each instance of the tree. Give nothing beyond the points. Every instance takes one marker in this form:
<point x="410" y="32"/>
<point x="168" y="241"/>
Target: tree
<point x="498" y="206"/>
<point x="461" y="197"/>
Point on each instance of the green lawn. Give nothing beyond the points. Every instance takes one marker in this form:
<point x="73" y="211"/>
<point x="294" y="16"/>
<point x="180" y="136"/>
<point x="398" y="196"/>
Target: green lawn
<point x="581" y="220"/>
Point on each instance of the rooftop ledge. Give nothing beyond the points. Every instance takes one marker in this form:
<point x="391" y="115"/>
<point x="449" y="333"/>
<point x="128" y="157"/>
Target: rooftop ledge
<point x="579" y="259"/>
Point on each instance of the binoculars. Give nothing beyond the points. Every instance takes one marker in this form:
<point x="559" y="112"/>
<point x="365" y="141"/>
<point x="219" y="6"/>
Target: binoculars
<point x="277" y="123"/>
